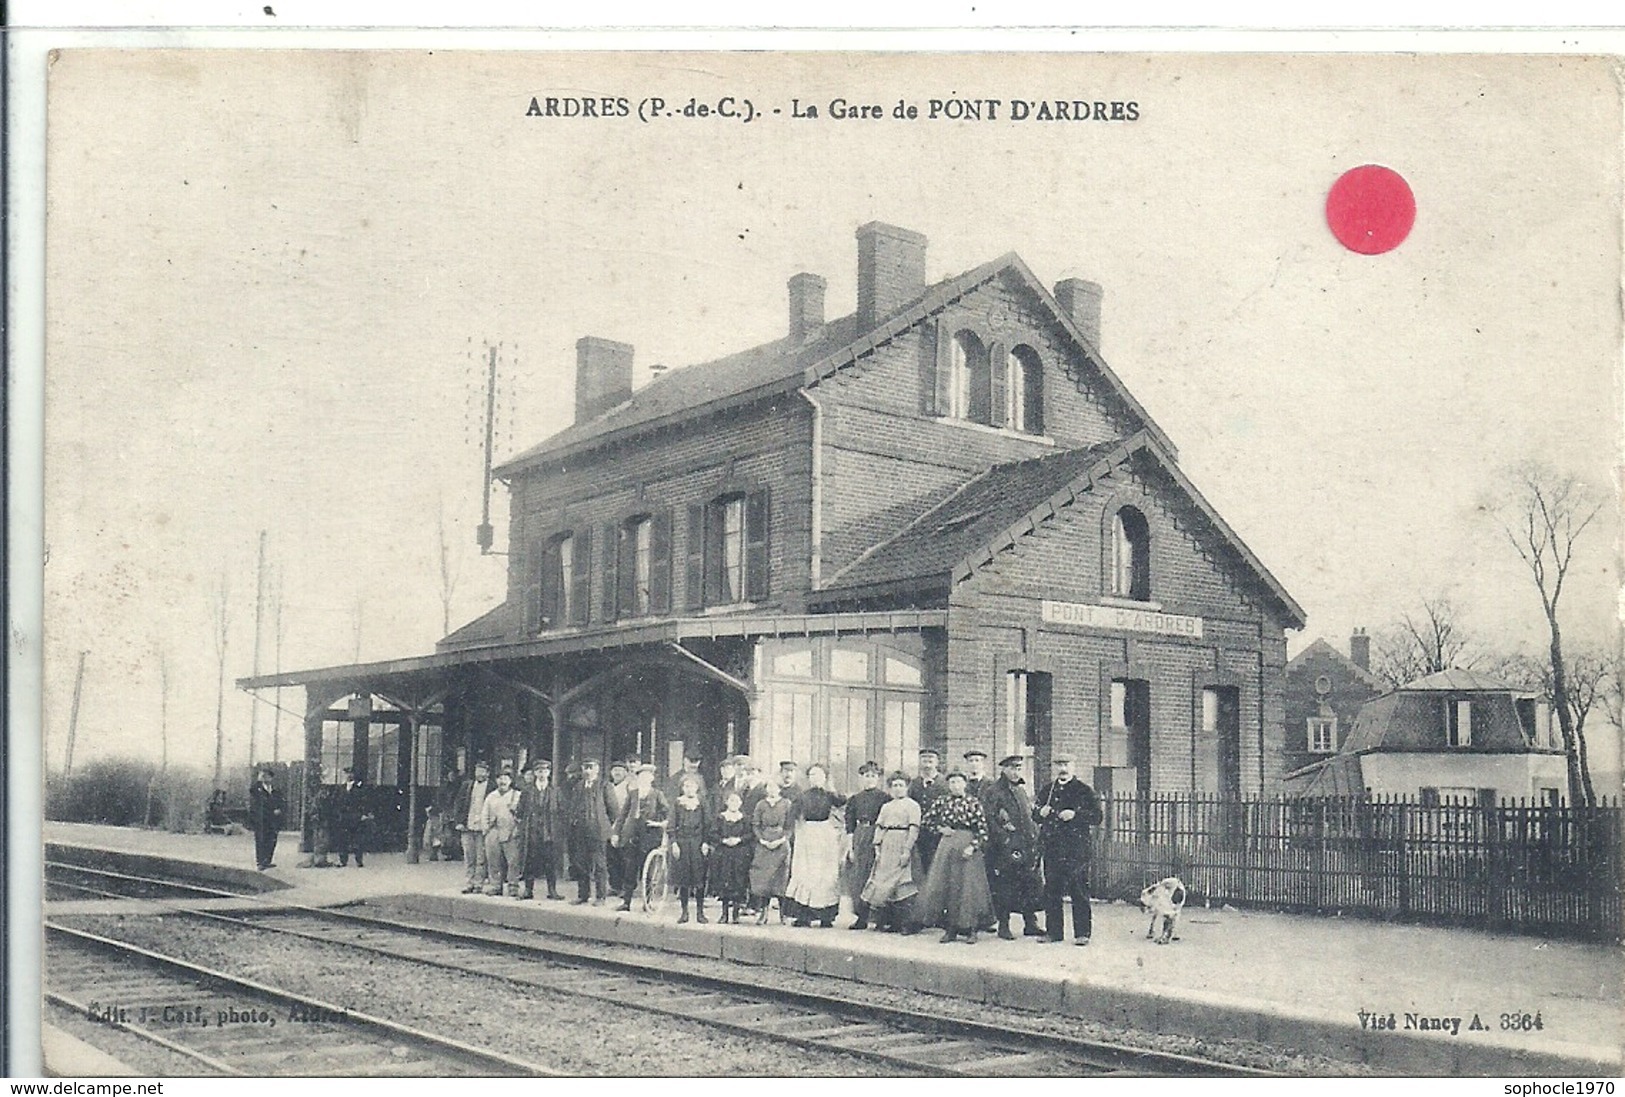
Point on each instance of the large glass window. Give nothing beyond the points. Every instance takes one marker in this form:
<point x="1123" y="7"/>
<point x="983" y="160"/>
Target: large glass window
<point x="902" y="735"/>
<point x="338" y="750"/>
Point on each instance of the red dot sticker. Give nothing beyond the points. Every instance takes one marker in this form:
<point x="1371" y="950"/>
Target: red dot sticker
<point x="1371" y="209"/>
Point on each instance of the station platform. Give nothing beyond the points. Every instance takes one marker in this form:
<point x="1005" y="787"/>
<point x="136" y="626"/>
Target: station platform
<point x="1295" y="982"/>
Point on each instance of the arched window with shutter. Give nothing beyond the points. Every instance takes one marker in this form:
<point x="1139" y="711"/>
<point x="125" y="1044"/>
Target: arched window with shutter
<point x="1024" y="391"/>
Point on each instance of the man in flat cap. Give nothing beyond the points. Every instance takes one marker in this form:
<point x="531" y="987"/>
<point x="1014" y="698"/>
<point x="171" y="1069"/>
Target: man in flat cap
<point x="789" y="786"/>
<point x="1066" y="809"/>
<point x="640" y="830"/>
<point x="926" y="787"/>
<point x="975" y="772"/>
<point x="1012" y="849"/>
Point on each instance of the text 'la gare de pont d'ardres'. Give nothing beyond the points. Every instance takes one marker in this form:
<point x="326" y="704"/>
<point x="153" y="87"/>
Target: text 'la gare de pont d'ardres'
<point x="731" y="108"/>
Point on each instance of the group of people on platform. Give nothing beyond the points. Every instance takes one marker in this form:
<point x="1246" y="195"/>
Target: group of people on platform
<point x="340" y="816"/>
<point x="958" y="851"/>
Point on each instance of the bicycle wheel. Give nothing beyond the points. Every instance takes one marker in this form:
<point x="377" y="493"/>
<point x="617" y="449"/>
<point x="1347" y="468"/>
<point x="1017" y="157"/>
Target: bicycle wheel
<point x="655" y="890"/>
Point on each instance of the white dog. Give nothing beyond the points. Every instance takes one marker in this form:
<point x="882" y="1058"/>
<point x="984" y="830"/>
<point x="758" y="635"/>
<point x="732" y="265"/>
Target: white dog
<point x="1163" y="900"/>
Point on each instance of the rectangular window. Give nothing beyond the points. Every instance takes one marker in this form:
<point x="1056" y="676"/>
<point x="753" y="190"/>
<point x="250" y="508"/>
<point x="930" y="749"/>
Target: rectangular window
<point x="901" y="745"/>
<point x="643" y="566"/>
<point x="848" y="738"/>
<point x="1027" y="714"/>
<point x="792" y="732"/>
<point x="733" y="550"/>
<point x="1459" y="732"/>
<point x="734" y="564"/>
<point x="1131" y="718"/>
<point x="846" y="665"/>
<point x="567" y="578"/>
<point x="1322" y="736"/>
<point x="429" y="754"/>
<point x="384" y="754"/>
<point x="338" y="750"/>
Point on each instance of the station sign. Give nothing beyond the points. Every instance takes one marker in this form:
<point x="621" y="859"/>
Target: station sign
<point x="1123" y="618"/>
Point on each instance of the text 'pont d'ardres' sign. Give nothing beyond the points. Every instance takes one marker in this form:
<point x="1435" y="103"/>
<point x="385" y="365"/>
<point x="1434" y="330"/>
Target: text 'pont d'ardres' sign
<point x="1126" y="618"/>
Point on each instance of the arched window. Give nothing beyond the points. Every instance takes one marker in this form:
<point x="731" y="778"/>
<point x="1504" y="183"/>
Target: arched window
<point x="1131" y="555"/>
<point x="642" y="566"/>
<point x="1024" y="391"/>
<point x="971" y="382"/>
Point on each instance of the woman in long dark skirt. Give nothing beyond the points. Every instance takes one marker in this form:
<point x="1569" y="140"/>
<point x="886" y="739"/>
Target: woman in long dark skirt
<point x="690" y="846"/>
<point x="955" y="895"/>
<point x="731" y="849"/>
<point x="770" y="856"/>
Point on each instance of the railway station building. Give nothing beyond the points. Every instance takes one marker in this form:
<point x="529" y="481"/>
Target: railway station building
<point x="939" y="520"/>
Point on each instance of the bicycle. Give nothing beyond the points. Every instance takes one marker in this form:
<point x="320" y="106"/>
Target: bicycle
<point x="654" y="883"/>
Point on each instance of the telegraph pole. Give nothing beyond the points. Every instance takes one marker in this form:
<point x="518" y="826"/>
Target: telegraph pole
<point x="73" y="714"/>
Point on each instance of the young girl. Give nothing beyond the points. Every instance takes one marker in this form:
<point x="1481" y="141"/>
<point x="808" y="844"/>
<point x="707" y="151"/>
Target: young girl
<point x="690" y="845"/>
<point x="731" y="857"/>
<point x="770" y="861"/>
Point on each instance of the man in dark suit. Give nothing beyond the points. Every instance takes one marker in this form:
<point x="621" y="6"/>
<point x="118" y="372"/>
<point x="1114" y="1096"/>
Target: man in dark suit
<point x="589" y="828"/>
<point x="926" y="787"/>
<point x="640" y="830"/>
<point x="352" y="819"/>
<point x="616" y="790"/>
<point x="1066" y="809"/>
<point x="1012" y="849"/>
<point x="266" y="808"/>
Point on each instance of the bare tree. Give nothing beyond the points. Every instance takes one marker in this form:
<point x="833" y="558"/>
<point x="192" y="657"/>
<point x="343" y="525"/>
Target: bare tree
<point x="1543" y="515"/>
<point x="1424" y="642"/>
<point x="1593" y="677"/>
<point x="222" y="630"/>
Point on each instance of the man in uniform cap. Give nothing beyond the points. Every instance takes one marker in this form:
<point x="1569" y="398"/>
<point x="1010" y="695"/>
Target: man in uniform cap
<point x="789" y="788"/>
<point x="975" y="772"/>
<point x="1066" y="809"/>
<point x="1012" y="849"/>
<point x="589" y="824"/>
<point x="926" y="787"/>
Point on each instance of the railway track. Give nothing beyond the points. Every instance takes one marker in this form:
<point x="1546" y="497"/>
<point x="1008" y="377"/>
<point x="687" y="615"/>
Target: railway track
<point x="124" y="885"/>
<point x="235" y="1026"/>
<point x="904" y="1041"/>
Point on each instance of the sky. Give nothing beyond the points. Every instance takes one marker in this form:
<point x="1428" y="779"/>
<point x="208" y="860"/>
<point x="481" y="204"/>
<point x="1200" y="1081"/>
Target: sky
<point x="272" y="277"/>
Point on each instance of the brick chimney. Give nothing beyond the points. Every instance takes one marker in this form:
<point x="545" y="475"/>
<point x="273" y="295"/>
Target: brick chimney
<point x="603" y="375"/>
<point x="1080" y="300"/>
<point x="1360" y="649"/>
<point x="806" y="307"/>
<point x="891" y="270"/>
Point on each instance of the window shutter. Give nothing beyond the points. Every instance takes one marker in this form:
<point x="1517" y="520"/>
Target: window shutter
<point x="694" y="574"/>
<point x="626" y="590"/>
<point x="545" y="579"/>
<point x="612" y="549"/>
<point x="714" y="519"/>
<point x="1033" y="396"/>
<point x="999" y="380"/>
<point x="756" y="560"/>
<point x="942" y="395"/>
<point x="581" y="579"/>
<point x="660" y="562"/>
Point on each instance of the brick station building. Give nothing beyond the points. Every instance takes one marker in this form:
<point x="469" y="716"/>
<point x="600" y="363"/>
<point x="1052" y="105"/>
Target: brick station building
<point x="939" y="520"/>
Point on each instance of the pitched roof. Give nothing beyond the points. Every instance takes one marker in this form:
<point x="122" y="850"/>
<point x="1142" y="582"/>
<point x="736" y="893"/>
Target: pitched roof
<point x="778" y="367"/>
<point x="996" y="507"/>
<point x="499" y="623"/>
<point x="1322" y="647"/>
<point x="1455" y="680"/>
<point x="984" y="506"/>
